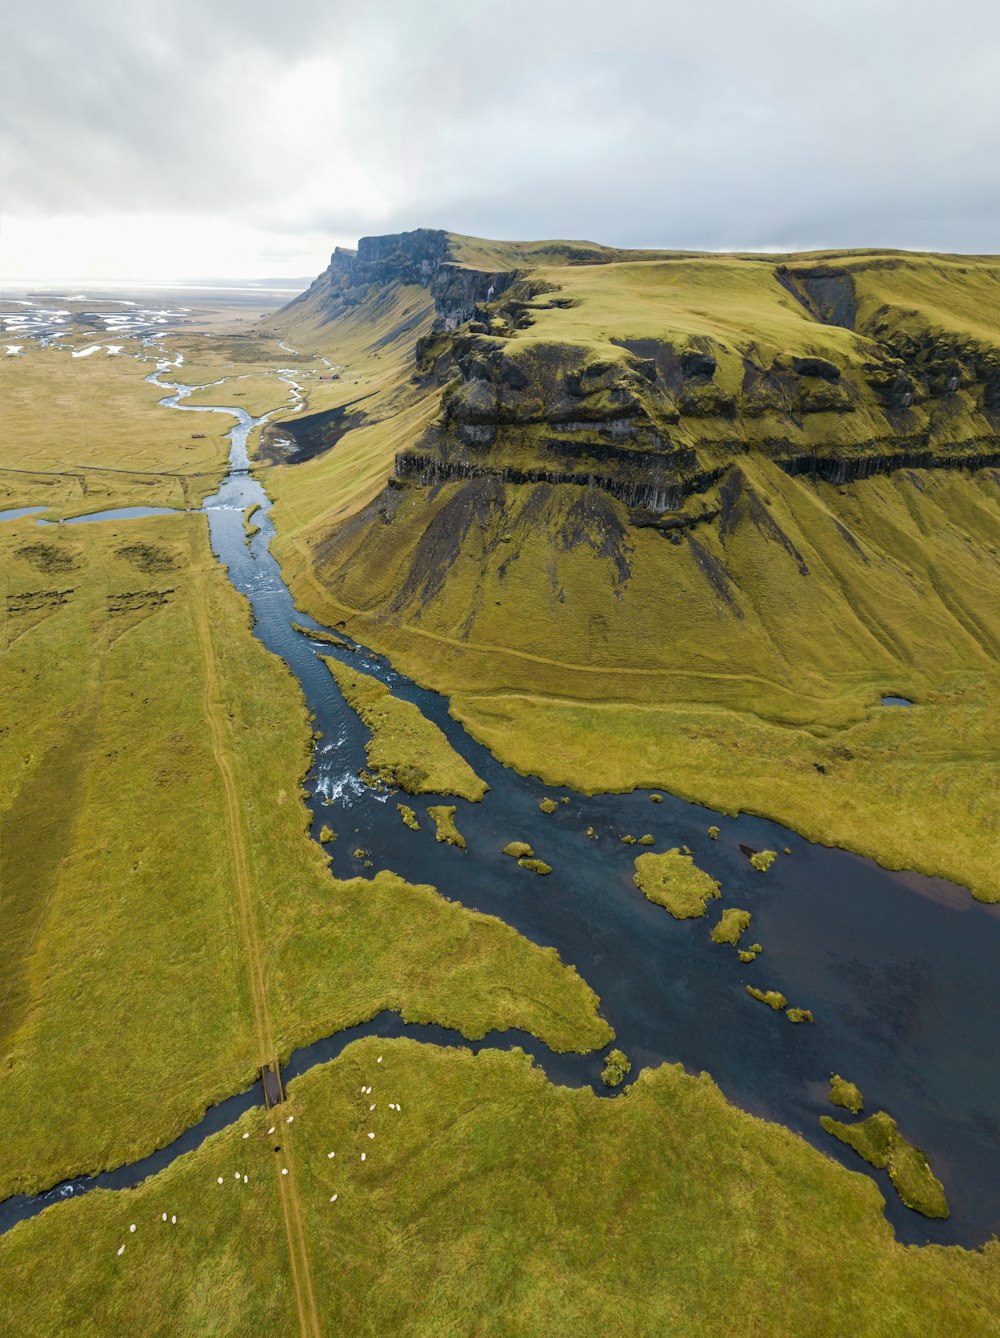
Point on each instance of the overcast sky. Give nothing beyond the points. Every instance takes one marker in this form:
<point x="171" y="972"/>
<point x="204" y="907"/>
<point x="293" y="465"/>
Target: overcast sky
<point x="245" y="138"/>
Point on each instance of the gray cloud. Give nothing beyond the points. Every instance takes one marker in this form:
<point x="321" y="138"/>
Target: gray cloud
<point x="727" y="125"/>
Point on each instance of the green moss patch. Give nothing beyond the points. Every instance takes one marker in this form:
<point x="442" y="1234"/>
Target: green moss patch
<point x="845" y="1094"/>
<point x="714" y="833"/>
<point x="799" y="1015"/>
<point x="732" y="926"/>
<point x="548" y="805"/>
<point x="674" y="881"/>
<point x="763" y="859"/>
<point x="518" y="850"/>
<point x="617" y="1066"/>
<point x="405" y="749"/>
<point x="878" y="1141"/>
<point x="409" y="817"/>
<point x="327" y="834"/>
<point x="535" y="865"/>
<point x="443" y="817"/>
<point x="773" y="998"/>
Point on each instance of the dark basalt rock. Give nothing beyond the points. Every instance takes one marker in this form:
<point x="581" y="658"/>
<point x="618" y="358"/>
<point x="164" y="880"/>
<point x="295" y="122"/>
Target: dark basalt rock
<point x="816" y="367"/>
<point x="422" y="257"/>
<point x="698" y="364"/>
<point x="655" y="486"/>
<point x="846" y="469"/>
<point x="825" y="292"/>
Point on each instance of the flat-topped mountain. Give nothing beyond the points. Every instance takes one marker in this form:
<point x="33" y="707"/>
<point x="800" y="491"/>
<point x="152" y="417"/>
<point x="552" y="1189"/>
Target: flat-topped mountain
<point x="648" y="373"/>
<point x="676" y="519"/>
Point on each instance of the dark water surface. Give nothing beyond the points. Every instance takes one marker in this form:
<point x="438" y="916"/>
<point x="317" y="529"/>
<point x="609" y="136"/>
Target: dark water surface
<point x="900" y="970"/>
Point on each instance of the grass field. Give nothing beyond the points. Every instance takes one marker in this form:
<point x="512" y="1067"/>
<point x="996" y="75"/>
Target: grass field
<point x="492" y="1202"/>
<point x="604" y="657"/>
<point x="85" y="434"/>
<point x="130" y="680"/>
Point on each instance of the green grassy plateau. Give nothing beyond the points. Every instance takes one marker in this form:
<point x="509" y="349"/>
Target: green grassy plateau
<point x="650" y="520"/>
<point x="492" y="1202"/>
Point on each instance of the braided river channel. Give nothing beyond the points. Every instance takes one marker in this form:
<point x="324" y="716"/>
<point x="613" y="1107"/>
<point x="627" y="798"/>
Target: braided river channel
<point x="900" y="970"/>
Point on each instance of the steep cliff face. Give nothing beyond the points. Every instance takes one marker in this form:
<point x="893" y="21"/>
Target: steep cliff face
<point x="653" y="417"/>
<point x="423" y="258"/>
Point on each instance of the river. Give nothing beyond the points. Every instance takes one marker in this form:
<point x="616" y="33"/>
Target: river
<point x="899" y="969"/>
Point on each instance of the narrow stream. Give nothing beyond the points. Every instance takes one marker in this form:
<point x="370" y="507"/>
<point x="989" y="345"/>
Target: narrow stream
<point x="899" y="969"/>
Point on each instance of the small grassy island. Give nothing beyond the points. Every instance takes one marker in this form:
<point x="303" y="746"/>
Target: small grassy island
<point x="674" y="881"/>
<point x="617" y="1067"/>
<point x="773" y="998"/>
<point x="845" y="1094"/>
<point x="732" y="926"/>
<point x="443" y="817"/>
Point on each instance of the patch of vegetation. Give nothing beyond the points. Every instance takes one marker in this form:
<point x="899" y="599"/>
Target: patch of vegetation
<point x="409" y="817"/>
<point x="656" y="798"/>
<point x="773" y="998"/>
<point x="717" y="1192"/>
<point x="250" y="526"/>
<point x="846" y="1094"/>
<point x="732" y="925"/>
<point x="747" y="955"/>
<point x="799" y="1015"/>
<point x="646" y="840"/>
<point x="674" y="881"/>
<point x="763" y="859"/>
<point x="714" y="833"/>
<point x="628" y="840"/>
<point x="548" y="805"/>
<point x="518" y="849"/>
<point x="55" y="558"/>
<point x="405" y="748"/>
<point x="878" y="1141"/>
<point x="149" y="558"/>
<point x="535" y="865"/>
<point x="443" y="817"/>
<point x="318" y="634"/>
<point x="617" y="1067"/>
<point x="327" y="834"/>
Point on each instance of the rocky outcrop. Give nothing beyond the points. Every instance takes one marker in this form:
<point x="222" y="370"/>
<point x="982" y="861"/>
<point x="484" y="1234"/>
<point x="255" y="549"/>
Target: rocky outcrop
<point x="422" y="257"/>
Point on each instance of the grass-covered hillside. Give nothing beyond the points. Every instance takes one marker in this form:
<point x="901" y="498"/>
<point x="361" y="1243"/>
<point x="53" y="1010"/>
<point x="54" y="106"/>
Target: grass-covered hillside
<point x="678" y="520"/>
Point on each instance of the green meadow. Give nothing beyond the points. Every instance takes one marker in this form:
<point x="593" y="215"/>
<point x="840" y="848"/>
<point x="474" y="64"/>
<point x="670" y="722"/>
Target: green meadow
<point x="494" y="1202"/>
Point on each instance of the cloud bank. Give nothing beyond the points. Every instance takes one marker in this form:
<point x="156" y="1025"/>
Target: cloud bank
<point x="238" y="137"/>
